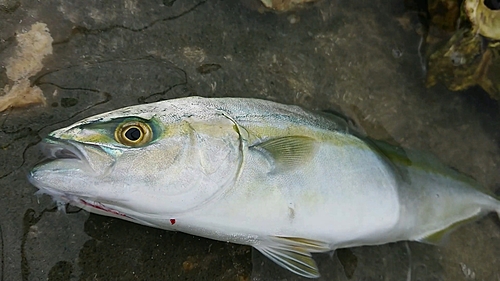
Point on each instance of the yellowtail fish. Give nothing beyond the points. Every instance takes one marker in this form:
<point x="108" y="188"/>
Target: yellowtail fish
<point x="281" y="179"/>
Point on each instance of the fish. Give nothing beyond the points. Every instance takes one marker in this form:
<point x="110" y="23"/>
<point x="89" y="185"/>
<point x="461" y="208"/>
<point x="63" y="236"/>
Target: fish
<point x="285" y="180"/>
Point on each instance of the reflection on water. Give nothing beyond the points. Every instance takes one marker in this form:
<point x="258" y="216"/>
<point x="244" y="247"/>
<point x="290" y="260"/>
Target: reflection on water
<point x="335" y="54"/>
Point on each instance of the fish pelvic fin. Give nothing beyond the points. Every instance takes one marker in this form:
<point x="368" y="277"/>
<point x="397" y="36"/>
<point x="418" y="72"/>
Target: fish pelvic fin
<point x="293" y="253"/>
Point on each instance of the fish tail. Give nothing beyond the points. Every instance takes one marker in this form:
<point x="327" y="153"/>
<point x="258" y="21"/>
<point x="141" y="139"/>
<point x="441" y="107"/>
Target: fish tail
<point x="498" y="206"/>
<point x="497" y="201"/>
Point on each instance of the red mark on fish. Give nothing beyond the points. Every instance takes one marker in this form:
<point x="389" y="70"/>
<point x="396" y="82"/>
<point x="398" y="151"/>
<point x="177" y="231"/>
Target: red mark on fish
<point x="172" y="221"/>
<point x="101" y="207"/>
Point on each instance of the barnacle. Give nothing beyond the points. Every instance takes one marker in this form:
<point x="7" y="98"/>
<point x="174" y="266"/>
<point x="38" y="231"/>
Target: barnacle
<point x="485" y="18"/>
<point x="458" y="55"/>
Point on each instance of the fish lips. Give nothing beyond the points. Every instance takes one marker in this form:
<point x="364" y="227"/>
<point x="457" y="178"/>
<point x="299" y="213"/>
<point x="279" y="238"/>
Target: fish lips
<point x="61" y="149"/>
<point x="68" y="161"/>
<point x="97" y="157"/>
<point x="71" y="175"/>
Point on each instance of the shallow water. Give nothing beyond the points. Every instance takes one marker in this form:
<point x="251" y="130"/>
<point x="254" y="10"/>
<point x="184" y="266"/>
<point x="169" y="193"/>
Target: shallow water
<point x="352" y="56"/>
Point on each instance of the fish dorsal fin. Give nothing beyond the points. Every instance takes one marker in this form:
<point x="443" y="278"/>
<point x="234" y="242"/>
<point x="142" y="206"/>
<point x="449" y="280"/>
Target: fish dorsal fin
<point x="289" y="152"/>
<point x="293" y="253"/>
<point x="344" y="123"/>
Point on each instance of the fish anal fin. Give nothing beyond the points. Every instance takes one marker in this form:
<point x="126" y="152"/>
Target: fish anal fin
<point x="289" y="152"/>
<point x="314" y="246"/>
<point x="441" y="236"/>
<point x="437" y="238"/>
<point x="293" y="253"/>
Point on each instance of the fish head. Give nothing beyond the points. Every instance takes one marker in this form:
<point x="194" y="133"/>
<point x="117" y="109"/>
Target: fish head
<point x="142" y="162"/>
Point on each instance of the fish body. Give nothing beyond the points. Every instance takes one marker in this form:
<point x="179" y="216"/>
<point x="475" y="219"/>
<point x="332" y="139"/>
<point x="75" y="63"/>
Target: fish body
<point x="284" y="180"/>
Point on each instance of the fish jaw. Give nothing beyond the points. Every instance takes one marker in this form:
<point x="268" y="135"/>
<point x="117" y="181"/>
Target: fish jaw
<point x="68" y="154"/>
<point x="44" y="174"/>
<point x="69" y="165"/>
<point x="64" y="158"/>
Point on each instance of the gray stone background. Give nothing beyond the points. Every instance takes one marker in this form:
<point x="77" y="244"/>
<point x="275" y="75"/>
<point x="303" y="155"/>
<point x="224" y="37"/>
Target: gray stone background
<point x="360" y="57"/>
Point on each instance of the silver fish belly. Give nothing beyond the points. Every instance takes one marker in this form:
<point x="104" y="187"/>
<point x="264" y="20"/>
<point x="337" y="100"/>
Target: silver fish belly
<point x="284" y="180"/>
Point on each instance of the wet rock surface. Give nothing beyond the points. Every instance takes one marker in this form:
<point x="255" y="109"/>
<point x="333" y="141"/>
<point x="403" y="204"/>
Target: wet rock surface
<point x="360" y="57"/>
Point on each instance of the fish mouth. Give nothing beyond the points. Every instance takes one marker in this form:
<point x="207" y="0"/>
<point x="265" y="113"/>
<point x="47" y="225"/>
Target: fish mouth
<point x="65" y="161"/>
<point x="61" y="149"/>
<point x="63" y="154"/>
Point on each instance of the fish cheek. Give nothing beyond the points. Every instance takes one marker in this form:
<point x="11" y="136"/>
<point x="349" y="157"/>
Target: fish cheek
<point x="148" y="164"/>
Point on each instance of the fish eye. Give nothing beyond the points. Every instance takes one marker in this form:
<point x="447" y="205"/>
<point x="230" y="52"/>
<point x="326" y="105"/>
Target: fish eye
<point x="133" y="133"/>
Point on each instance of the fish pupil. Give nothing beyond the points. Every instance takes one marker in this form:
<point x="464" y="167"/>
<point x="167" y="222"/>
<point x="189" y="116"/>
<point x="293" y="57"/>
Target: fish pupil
<point x="492" y="4"/>
<point x="133" y="134"/>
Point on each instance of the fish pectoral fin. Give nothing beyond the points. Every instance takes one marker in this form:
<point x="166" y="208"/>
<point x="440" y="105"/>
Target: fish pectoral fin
<point x="289" y="152"/>
<point x="294" y="254"/>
